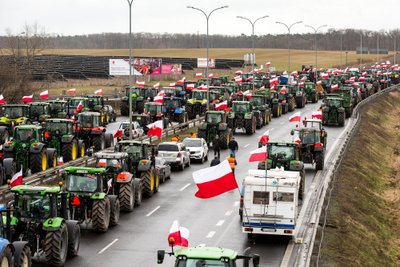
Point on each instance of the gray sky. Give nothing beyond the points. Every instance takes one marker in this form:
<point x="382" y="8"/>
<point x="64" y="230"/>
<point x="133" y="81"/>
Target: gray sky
<point x="70" y="17"/>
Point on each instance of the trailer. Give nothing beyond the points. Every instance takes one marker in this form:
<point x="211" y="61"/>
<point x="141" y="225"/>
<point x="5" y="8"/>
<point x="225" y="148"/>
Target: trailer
<point x="271" y="202"/>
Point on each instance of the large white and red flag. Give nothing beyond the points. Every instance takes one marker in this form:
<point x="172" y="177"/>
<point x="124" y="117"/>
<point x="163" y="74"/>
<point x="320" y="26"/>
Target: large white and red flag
<point x="295" y="117"/>
<point x="71" y="91"/>
<point x="181" y="81"/>
<point x="274" y="81"/>
<point x="259" y="154"/>
<point x="317" y="115"/>
<point x="27" y="98"/>
<point x="99" y="92"/>
<point x="2" y="99"/>
<point x="214" y="181"/>
<point x="155" y="128"/>
<point x="79" y="107"/>
<point x="159" y="99"/>
<point x="16" y="179"/>
<point x="264" y="138"/>
<point x="157" y="85"/>
<point x="140" y="84"/>
<point x="178" y="236"/>
<point x="44" y="95"/>
<point x="238" y="79"/>
<point x="221" y="106"/>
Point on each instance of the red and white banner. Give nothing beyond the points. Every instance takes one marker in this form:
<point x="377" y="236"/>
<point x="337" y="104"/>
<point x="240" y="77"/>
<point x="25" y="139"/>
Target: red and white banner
<point x="273" y="81"/>
<point x="317" y="115"/>
<point x="238" y="79"/>
<point x="238" y="72"/>
<point x="199" y="75"/>
<point x="99" y="92"/>
<point x="334" y="87"/>
<point x="16" y="179"/>
<point x="190" y="86"/>
<point x="2" y="99"/>
<point x="221" y="106"/>
<point x="214" y="181"/>
<point x="27" y="98"/>
<point x="155" y="128"/>
<point x="259" y="154"/>
<point x="178" y="236"/>
<point x="157" y="85"/>
<point x="181" y="81"/>
<point x="295" y="117"/>
<point x="71" y="91"/>
<point x="44" y="95"/>
<point x="264" y="138"/>
<point x="140" y="84"/>
<point x="159" y="99"/>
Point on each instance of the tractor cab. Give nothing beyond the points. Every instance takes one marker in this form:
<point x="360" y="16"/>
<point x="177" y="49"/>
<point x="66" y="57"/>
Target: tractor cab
<point x="58" y="108"/>
<point x="39" y="111"/>
<point x="214" y="118"/>
<point x="199" y="94"/>
<point x="241" y="107"/>
<point x="59" y="127"/>
<point x="89" y="120"/>
<point x="154" y="109"/>
<point x="83" y="180"/>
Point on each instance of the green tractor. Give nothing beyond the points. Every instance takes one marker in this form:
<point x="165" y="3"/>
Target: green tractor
<point x="333" y="112"/>
<point x="59" y="134"/>
<point x="28" y="150"/>
<point x="40" y="218"/>
<point x="261" y="110"/>
<point x="300" y="96"/>
<point x="121" y="182"/>
<point x="138" y="99"/>
<point x="285" y="96"/>
<point x="241" y="117"/>
<point x="348" y="99"/>
<point x="311" y="92"/>
<point x="215" y="123"/>
<point x="39" y="111"/>
<point x="155" y="111"/>
<point x="89" y="199"/>
<point x="76" y="105"/>
<point x="197" y="105"/>
<point x="96" y="104"/>
<point x="58" y="108"/>
<point x="140" y="164"/>
<point x="12" y="115"/>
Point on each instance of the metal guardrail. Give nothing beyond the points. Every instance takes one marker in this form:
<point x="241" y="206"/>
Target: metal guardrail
<point x="54" y="173"/>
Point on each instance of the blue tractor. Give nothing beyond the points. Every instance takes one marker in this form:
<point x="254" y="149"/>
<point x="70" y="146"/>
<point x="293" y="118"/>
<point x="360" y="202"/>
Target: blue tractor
<point x="174" y="109"/>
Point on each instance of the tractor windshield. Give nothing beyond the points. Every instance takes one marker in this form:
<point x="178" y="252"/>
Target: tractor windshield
<point x="199" y="95"/>
<point x="61" y="127"/>
<point x="213" y="118"/>
<point x="74" y="102"/>
<point x="33" y="206"/>
<point x="308" y="137"/>
<point x="14" y="112"/>
<point x="88" y="121"/>
<point x="36" y="110"/>
<point x="203" y="263"/>
<point x="25" y="135"/>
<point x="135" y="92"/>
<point x="256" y="101"/>
<point x="151" y="92"/>
<point x="281" y="152"/>
<point x="152" y="109"/>
<point x="333" y="102"/>
<point x="241" y="108"/>
<point x="247" y="86"/>
<point x="77" y="182"/>
<point x="134" y="151"/>
<point x="172" y="103"/>
<point x="57" y="107"/>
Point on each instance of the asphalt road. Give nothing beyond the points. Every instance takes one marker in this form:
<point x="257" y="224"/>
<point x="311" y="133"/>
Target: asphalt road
<point x="213" y="222"/>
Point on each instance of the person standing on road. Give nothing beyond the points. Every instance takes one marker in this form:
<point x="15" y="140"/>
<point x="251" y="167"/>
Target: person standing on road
<point x="232" y="162"/>
<point x="233" y="146"/>
<point x="215" y="161"/>
<point x="217" y="146"/>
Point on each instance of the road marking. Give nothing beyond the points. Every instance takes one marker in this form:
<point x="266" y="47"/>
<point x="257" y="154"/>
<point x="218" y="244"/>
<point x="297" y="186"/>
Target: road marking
<point x="109" y="245"/>
<point x="210" y="234"/>
<point x="220" y="222"/>
<point x="228" y="213"/>
<point x="246" y="145"/>
<point x="236" y="203"/>
<point x="151" y="212"/>
<point x="183" y="188"/>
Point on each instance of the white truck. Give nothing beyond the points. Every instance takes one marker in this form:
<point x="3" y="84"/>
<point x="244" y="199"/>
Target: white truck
<point x="270" y="202"/>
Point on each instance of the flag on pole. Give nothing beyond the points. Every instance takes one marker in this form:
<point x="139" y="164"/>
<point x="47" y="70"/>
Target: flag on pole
<point x="295" y="117"/>
<point x="273" y="81"/>
<point x="238" y="79"/>
<point x="2" y="99"/>
<point x="238" y="72"/>
<point x="178" y="236"/>
<point x="27" y="98"/>
<point x="118" y="134"/>
<point x="334" y="87"/>
<point x="79" y="107"/>
<point x="159" y="99"/>
<point x="140" y="84"/>
<point x="181" y="81"/>
<point x="259" y="154"/>
<point x="71" y="91"/>
<point x="317" y="115"/>
<point x="16" y="179"/>
<point x="155" y="128"/>
<point x="199" y="75"/>
<point x="214" y="181"/>
<point x="157" y="85"/>
<point x="264" y="138"/>
<point x="99" y="92"/>
<point x="221" y="106"/>
<point x="210" y="75"/>
<point x="172" y="85"/>
<point x="44" y="95"/>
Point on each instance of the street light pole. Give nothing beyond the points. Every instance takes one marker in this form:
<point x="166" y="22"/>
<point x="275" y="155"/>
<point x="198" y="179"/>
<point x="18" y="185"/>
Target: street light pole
<point x="288" y="28"/>
<point x="341" y="48"/>
<point x="316" y="49"/>
<point x="377" y="47"/>
<point x="394" y="49"/>
<point x="253" y="37"/>
<point x="207" y="44"/>
<point x="361" y="61"/>
<point x="130" y="2"/>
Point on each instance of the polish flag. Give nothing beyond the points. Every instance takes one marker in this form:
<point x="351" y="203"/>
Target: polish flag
<point x="221" y="106"/>
<point x="157" y="85"/>
<point x="294" y="73"/>
<point x="118" y="133"/>
<point x="361" y="79"/>
<point x="259" y="154"/>
<point x="303" y="79"/>
<point x="238" y="72"/>
<point x="250" y="78"/>
<point x="181" y="81"/>
<point x="60" y="161"/>
<point x="264" y="138"/>
<point x="364" y="73"/>
<point x="2" y="99"/>
<point x="199" y="75"/>
<point x="190" y="86"/>
<point x="297" y="139"/>
<point x="238" y="79"/>
<point x="44" y="95"/>
<point x="109" y="184"/>
<point x="140" y="84"/>
<point x="317" y="115"/>
<point x="324" y="75"/>
<point x="268" y="64"/>
<point x="71" y="91"/>
<point x="161" y="93"/>
<point x="319" y="82"/>
<point x="79" y="107"/>
<point x="159" y="99"/>
<point x="248" y="94"/>
<point x="155" y="128"/>
<point x="214" y="181"/>
<point x="203" y="87"/>
<point x="172" y="85"/>
<point x="210" y="75"/>
<point x="301" y="84"/>
<point x="295" y="117"/>
<point x="334" y="87"/>
<point x="178" y="236"/>
<point x="27" y="98"/>
<point x="273" y="81"/>
<point x="283" y="90"/>
<point x="99" y="92"/>
<point x="16" y="179"/>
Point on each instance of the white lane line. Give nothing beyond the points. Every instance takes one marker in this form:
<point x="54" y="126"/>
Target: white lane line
<point x="210" y="234"/>
<point x="109" y="245"/>
<point x="202" y="245"/>
<point x="228" y="213"/>
<point x="183" y="188"/>
<point x="151" y="212"/>
<point x="246" y="145"/>
<point x="236" y="203"/>
<point x="220" y="222"/>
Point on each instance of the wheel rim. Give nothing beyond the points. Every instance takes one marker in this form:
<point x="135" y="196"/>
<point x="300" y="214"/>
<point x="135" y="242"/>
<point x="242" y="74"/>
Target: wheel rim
<point x="157" y="181"/>
<point x="4" y="261"/>
<point x="77" y="241"/>
<point x="44" y="162"/>
<point x="64" y="245"/>
<point x="54" y="161"/>
<point x="82" y="151"/>
<point x="74" y="151"/>
<point x="151" y="181"/>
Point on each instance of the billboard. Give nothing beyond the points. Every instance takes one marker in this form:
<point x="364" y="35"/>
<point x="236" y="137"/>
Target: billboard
<point x="202" y="63"/>
<point x="143" y="66"/>
<point x="119" y="67"/>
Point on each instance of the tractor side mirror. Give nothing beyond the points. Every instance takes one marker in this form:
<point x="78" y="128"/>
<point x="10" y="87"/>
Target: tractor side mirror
<point x="10" y="204"/>
<point x="292" y="132"/>
<point x="160" y="256"/>
<point x="256" y="260"/>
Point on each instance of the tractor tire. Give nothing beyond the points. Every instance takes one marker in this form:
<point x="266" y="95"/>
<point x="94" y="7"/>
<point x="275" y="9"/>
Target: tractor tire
<point x="99" y="142"/>
<point x="81" y="149"/>
<point x="291" y="104"/>
<point x="56" y="246"/>
<point x="325" y="118"/>
<point x="157" y="182"/>
<point x="114" y="209"/>
<point x="182" y="118"/>
<point x="138" y="192"/>
<point x="275" y="112"/>
<point x="299" y="102"/>
<point x="6" y="258"/>
<point x="74" y="238"/>
<point x="314" y="98"/>
<point x="38" y="162"/>
<point x="101" y="215"/>
<point x="341" y="119"/>
<point x="124" y="108"/>
<point x="109" y="140"/>
<point x="285" y="108"/>
<point x="189" y="110"/>
<point x="148" y="181"/>
<point x="9" y="168"/>
<point x="140" y="107"/>
<point x="22" y="254"/>
<point x="231" y="123"/>
<point x="127" y="196"/>
<point x="69" y="151"/>
<point x="4" y="135"/>
<point x="51" y="158"/>
<point x="319" y="161"/>
<point x="249" y="127"/>
<point x="224" y="137"/>
<point x="202" y="134"/>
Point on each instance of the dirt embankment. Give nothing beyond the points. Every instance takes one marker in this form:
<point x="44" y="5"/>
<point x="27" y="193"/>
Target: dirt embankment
<point x="364" y="216"/>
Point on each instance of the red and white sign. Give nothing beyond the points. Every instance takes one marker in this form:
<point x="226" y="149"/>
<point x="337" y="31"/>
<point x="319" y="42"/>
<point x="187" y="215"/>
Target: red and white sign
<point x="259" y="154"/>
<point x="155" y="128"/>
<point x="295" y="117"/>
<point x="317" y="115"/>
<point x="71" y="91"/>
<point x="2" y="99"/>
<point x="178" y="236"/>
<point x="16" y="179"/>
<point x="214" y="181"/>
<point x="99" y="92"/>
<point x="44" y="95"/>
<point x="27" y="98"/>
<point x="199" y="75"/>
<point x="140" y="84"/>
<point x="221" y="106"/>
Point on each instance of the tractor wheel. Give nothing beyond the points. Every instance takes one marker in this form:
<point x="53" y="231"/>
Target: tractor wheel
<point x="341" y="119"/>
<point x="22" y="254"/>
<point x="6" y="257"/>
<point x="349" y="112"/>
<point x="101" y="214"/>
<point x="285" y="108"/>
<point x="319" y="161"/>
<point x="74" y="237"/>
<point x="201" y="134"/>
<point x="126" y="196"/>
<point x="148" y="180"/>
<point x="81" y="149"/>
<point x="51" y="158"/>
<point x="38" y="161"/>
<point x="299" y="102"/>
<point x="157" y="182"/>
<point x="189" y="110"/>
<point x="56" y="246"/>
<point x="4" y="135"/>
<point x="114" y="210"/>
<point x="140" y="107"/>
<point x="231" y="123"/>
<point x="70" y="151"/>
<point x="249" y="126"/>
<point x="291" y="104"/>
<point x="325" y="117"/>
<point x="99" y="142"/>
<point x="314" y="98"/>
<point x="181" y="118"/>
<point x="138" y="192"/>
<point x="109" y="140"/>
<point x="9" y="168"/>
<point x="224" y="138"/>
<point x="124" y="108"/>
<point x="275" y="111"/>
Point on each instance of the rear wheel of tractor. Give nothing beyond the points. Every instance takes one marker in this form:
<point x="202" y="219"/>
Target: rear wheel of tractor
<point x="315" y="98"/>
<point x="325" y="117"/>
<point x="4" y="135"/>
<point x="341" y="119"/>
<point x="138" y="192"/>
<point x="56" y="246"/>
<point x="51" y="158"/>
<point x="292" y="104"/>
<point x="126" y="196"/>
<point x="99" y="142"/>
<point x="74" y="237"/>
<point x="22" y="254"/>
<point x="101" y="214"/>
<point x="124" y="108"/>
<point x="70" y="151"/>
<point x="275" y="112"/>
<point x="201" y="134"/>
<point x="6" y="257"/>
<point x="114" y="210"/>
<point x="299" y="102"/>
<point x="148" y="178"/>
<point x="81" y="149"/>
<point x="285" y="108"/>
<point x="181" y="118"/>
<point x="319" y="161"/>
<point x="249" y="126"/>
<point x="140" y="107"/>
<point x="189" y="110"/>
<point x="157" y="182"/>
<point x="109" y="140"/>
<point x="38" y="162"/>
<point x="9" y="168"/>
<point x="224" y="138"/>
<point x="231" y="123"/>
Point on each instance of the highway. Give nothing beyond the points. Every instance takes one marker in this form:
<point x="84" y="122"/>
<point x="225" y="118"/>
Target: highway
<point x="213" y="222"/>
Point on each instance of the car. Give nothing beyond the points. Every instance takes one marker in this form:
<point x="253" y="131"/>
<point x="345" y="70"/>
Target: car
<point x="112" y="115"/>
<point x="163" y="169"/>
<point x="137" y="130"/>
<point x="198" y="148"/>
<point x="175" y="154"/>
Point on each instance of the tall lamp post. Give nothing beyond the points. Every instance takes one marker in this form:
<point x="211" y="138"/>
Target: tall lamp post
<point x="394" y="49"/>
<point x="288" y="28"/>
<point x="130" y="2"/>
<point x="253" y="37"/>
<point x="207" y="19"/>
<point x="361" y="44"/>
<point x="316" y="49"/>
<point x="341" y="48"/>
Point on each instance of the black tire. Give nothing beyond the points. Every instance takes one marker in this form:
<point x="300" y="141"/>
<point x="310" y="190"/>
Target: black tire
<point x="341" y="119"/>
<point x="314" y="98"/>
<point x="201" y="134"/>
<point x="69" y="151"/>
<point x="285" y="108"/>
<point x="101" y="215"/>
<point x="56" y="246"/>
<point x="127" y="196"/>
<point x="291" y="104"/>
<point x="148" y="182"/>
<point x="22" y="254"/>
<point x="109" y="140"/>
<point x="231" y="123"/>
<point x="9" y="168"/>
<point x="138" y="192"/>
<point x="114" y="209"/>
<point x="6" y="258"/>
<point x="224" y="138"/>
<point x="181" y="118"/>
<point x="325" y="118"/>
<point x="275" y="111"/>
<point x="299" y="102"/>
<point x="38" y="161"/>
<point x="4" y="135"/>
<point x="99" y="142"/>
<point x="189" y="110"/>
<point x="124" y="108"/>
<point x="139" y="107"/>
<point x="51" y="158"/>
<point x="249" y="126"/>
<point x="74" y="238"/>
<point x="319" y="161"/>
<point x="157" y="182"/>
<point x="81" y="149"/>
<point x="348" y="112"/>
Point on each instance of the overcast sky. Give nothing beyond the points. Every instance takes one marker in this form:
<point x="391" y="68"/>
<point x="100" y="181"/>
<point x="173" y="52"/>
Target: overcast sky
<point x="70" y="17"/>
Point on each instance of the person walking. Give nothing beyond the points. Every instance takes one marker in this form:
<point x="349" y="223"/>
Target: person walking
<point x="232" y="162"/>
<point x="215" y="161"/>
<point x="193" y="135"/>
<point x="233" y="146"/>
<point x="217" y="146"/>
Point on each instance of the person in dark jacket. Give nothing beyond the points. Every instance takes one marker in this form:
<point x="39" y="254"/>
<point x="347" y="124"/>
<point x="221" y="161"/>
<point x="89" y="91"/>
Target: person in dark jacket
<point x="216" y="143"/>
<point x="215" y="161"/>
<point x="233" y="146"/>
